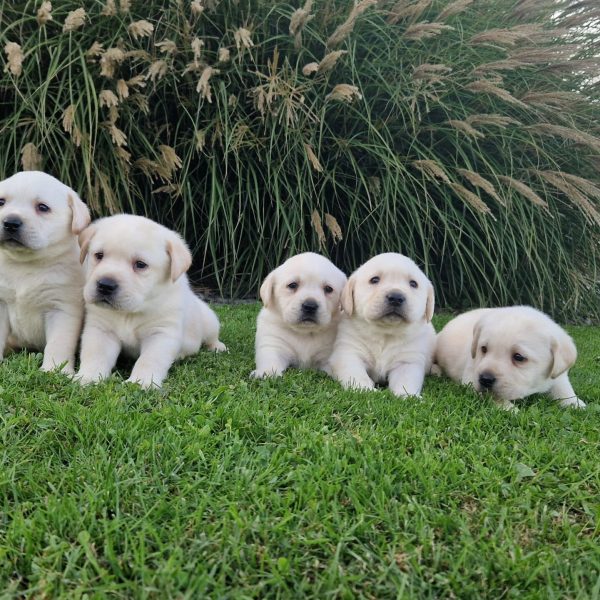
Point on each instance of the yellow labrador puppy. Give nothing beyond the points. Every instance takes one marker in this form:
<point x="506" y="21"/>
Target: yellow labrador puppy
<point x="386" y="332"/>
<point x="138" y="300"/>
<point x="298" y="323"/>
<point x="511" y="352"/>
<point x="41" y="305"/>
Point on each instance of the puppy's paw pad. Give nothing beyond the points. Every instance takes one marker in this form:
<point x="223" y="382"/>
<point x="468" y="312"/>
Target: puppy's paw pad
<point x="573" y="403"/>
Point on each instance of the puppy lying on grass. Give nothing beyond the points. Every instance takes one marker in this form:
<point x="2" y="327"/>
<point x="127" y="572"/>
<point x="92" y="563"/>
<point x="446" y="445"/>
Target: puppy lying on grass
<point x="138" y="300"/>
<point x="41" y="280"/>
<point x="510" y="352"/>
<point x="386" y="333"/>
<point x="298" y="323"/>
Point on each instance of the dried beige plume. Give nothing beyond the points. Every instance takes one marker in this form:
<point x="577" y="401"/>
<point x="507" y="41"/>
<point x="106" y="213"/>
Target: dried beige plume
<point x="137" y="82"/>
<point x="108" y="98"/>
<point x="317" y="224"/>
<point x="167" y="46"/>
<point x="554" y="100"/>
<point x="95" y="50"/>
<point x="404" y="10"/>
<point x="470" y="198"/>
<point x="342" y="32"/>
<point x="431" y="72"/>
<point x="197" y="46"/>
<point x="110" y="60"/>
<point x="140" y="29"/>
<point x="476" y="180"/>
<point x="117" y="136"/>
<point x="465" y="128"/>
<point x="169" y="159"/>
<point x="124" y="155"/>
<point x="300" y="17"/>
<point x="122" y="89"/>
<point x="310" y="68"/>
<point x="243" y="38"/>
<point x="524" y="190"/>
<point x="141" y="101"/>
<point x="312" y="157"/>
<point x="224" y="55"/>
<point x="453" y="9"/>
<point x="14" y="56"/>
<point x="344" y="92"/>
<point x="110" y="9"/>
<point x="197" y="8"/>
<point x="124" y="6"/>
<point x="232" y="100"/>
<point x="529" y="32"/>
<point x="334" y="227"/>
<point x="75" y="19"/>
<point x="68" y="118"/>
<point x="547" y="54"/>
<point x="486" y="86"/>
<point x="425" y="30"/>
<point x="157" y="70"/>
<point x="431" y="169"/>
<point x="31" y="159"/>
<point x="200" y="139"/>
<point x="566" y="133"/>
<point x="44" y="13"/>
<point x="203" y="87"/>
<point x="491" y="119"/>
<point x="497" y="65"/>
<point x="328" y="61"/>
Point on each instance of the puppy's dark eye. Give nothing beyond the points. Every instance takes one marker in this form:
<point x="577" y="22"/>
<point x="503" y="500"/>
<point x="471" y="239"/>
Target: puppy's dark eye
<point x="518" y="357"/>
<point x="374" y="280"/>
<point x="99" y="255"/>
<point x="328" y="289"/>
<point x="293" y="285"/>
<point x="139" y="265"/>
<point x="483" y="349"/>
<point x="2" y="201"/>
<point x="43" y="207"/>
<point x="413" y="283"/>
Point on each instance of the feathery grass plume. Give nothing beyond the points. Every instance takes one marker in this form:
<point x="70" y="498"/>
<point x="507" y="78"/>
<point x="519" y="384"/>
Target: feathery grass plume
<point x="431" y="72"/>
<point x="122" y="89"/>
<point x="94" y="51"/>
<point x="109" y="9"/>
<point x="470" y="198"/>
<point x="317" y="224"/>
<point x="567" y="133"/>
<point x="476" y="180"/>
<point x="548" y="54"/>
<point x="140" y="29"/>
<point x="203" y="87"/>
<point x="14" y="56"/>
<point x="200" y="136"/>
<point x="486" y="86"/>
<point x="169" y="159"/>
<point x="344" y="92"/>
<point x="197" y="46"/>
<point x="491" y="119"/>
<point x="312" y="157"/>
<point x="68" y="118"/>
<point x="167" y="46"/>
<point x="573" y="191"/>
<point x="498" y="65"/>
<point x="465" y="128"/>
<point x="31" y="159"/>
<point x="75" y="20"/>
<point x="524" y="190"/>
<point x="431" y="169"/>
<point x="334" y="227"/>
<point x="137" y="82"/>
<point x="310" y="68"/>
<point x="243" y="38"/>
<point x="197" y="8"/>
<point x="328" y="61"/>
<point x="124" y="6"/>
<point x="223" y="55"/>
<point x="425" y="30"/>
<point x="44" y="13"/>
<point x="110" y="60"/>
<point x="157" y="70"/>
<point x="553" y="100"/>
<point x="344" y="30"/>
<point x="118" y="137"/>
<point x="402" y="10"/>
<point x="454" y="8"/>
<point x="300" y="17"/>
<point x="108" y="98"/>
<point x="510" y="36"/>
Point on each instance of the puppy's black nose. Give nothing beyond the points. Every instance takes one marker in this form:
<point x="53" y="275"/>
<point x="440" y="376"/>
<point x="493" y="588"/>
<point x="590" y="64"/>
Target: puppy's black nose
<point x="310" y="307"/>
<point x="395" y="298"/>
<point x="12" y="224"/>
<point x="486" y="380"/>
<point x="106" y="286"/>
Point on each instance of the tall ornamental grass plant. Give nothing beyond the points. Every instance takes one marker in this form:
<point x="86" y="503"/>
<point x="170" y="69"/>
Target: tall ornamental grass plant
<point x="464" y="134"/>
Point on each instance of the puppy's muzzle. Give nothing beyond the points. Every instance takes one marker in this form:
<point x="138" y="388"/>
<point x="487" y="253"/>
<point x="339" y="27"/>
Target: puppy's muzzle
<point x="12" y="224"/>
<point x="309" y="309"/>
<point x="394" y="305"/>
<point x="106" y="288"/>
<point x="487" y="380"/>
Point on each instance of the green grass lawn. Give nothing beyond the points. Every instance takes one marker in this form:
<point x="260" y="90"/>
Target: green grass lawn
<point x="222" y="486"/>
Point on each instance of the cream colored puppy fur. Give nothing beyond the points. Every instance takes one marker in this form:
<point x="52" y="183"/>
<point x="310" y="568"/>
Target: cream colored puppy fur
<point x="385" y="334"/>
<point x="512" y="352"/>
<point x="298" y="323"/>
<point x="138" y="300"/>
<point x="41" y="306"/>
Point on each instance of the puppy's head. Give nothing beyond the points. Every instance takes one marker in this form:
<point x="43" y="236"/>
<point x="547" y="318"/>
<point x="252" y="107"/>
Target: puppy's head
<point x="38" y="211"/>
<point x="517" y="351"/>
<point x="130" y="260"/>
<point x="305" y="291"/>
<point x="389" y="290"/>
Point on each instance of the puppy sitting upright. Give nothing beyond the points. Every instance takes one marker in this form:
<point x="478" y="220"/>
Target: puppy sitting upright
<point x="138" y="299"/>
<point x="298" y="323"/>
<point x="511" y="352"/>
<point x="386" y="332"/>
<point x="41" y="305"/>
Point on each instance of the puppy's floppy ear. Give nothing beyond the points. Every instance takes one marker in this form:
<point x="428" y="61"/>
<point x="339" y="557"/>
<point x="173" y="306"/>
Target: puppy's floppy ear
<point x="81" y="215"/>
<point x="564" y="354"/>
<point x="266" y="289"/>
<point x="180" y="255"/>
<point x="347" y="299"/>
<point x="430" y="303"/>
<point x="476" y="334"/>
<point x="85" y="237"/>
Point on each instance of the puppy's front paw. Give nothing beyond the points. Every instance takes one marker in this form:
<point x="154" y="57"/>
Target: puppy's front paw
<point x="573" y="402"/>
<point x="87" y="378"/>
<point x="264" y="373"/>
<point x="144" y="381"/>
<point x="217" y="346"/>
<point x="507" y="405"/>
<point x="65" y="369"/>
<point x="360" y="385"/>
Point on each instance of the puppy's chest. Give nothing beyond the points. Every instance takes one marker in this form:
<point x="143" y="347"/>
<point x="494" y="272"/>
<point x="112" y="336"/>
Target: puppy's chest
<point x="313" y="351"/>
